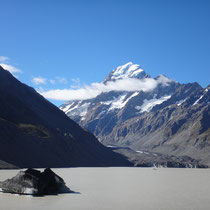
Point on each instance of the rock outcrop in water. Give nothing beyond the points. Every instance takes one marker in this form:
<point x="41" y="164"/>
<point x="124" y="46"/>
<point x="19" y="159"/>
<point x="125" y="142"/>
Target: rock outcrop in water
<point x="34" y="182"/>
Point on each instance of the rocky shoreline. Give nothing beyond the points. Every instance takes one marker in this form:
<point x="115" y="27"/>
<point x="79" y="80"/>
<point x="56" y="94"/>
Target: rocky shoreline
<point x="142" y="158"/>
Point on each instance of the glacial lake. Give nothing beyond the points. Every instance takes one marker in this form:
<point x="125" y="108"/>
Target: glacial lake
<point x="120" y="188"/>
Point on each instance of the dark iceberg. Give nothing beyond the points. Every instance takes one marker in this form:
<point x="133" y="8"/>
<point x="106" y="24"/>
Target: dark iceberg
<point x="34" y="182"/>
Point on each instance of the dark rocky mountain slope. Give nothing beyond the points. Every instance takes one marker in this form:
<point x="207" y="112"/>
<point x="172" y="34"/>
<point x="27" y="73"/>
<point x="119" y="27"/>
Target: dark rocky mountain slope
<point x="35" y="133"/>
<point x="170" y="119"/>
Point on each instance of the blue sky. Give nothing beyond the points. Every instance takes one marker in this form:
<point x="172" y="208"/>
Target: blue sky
<point x="68" y="43"/>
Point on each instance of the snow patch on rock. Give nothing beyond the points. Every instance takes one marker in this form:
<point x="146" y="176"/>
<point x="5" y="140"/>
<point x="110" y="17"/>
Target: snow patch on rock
<point x="198" y="100"/>
<point x="149" y="104"/>
<point x="178" y="103"/>
<point x="121" y="101"/>
<point x="78" y="109"/>
<point x="66" y="108"/>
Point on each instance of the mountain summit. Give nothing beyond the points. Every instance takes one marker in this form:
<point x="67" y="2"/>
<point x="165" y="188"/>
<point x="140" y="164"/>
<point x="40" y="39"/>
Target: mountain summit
<point x="129" y="70"/>
<point x="170" y="118"/>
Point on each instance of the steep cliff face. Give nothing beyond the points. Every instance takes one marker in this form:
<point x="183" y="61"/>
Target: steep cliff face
<point x="170" y="118"/>
<point x="35" y="133"/>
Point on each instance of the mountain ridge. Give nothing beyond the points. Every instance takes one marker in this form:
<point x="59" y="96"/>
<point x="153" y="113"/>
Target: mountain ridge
<point x="170" y="118"/>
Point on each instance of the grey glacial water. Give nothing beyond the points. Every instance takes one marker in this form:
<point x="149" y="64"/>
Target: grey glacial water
<point x="120" y="188"/>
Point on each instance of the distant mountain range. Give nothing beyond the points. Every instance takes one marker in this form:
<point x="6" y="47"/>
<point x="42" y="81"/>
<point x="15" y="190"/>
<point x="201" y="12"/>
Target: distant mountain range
<point x="35" y="133"/>
<point x="157" y="116"/>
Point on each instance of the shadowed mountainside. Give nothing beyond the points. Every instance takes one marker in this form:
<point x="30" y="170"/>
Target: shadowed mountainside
<point x="35" y="133"/>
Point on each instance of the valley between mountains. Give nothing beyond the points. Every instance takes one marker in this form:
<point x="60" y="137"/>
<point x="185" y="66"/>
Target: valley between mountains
<point x="157" y="121"/>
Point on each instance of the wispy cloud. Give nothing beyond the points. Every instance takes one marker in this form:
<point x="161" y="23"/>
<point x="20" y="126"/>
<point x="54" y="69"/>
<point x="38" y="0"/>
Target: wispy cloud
<point x="87" y="92"/>
<point x="10" y="68"/>
<point x="52" y="81"/>
<point x="76" y="83"/>
<point x="39" y="80"/>
<point x="3" y="58"/>
<point x="62" y="80"/>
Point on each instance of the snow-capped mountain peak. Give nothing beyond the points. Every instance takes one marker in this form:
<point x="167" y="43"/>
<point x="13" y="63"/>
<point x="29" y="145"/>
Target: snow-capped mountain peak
<point x="128" y="70"/>
<point x="154" y="114"/>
